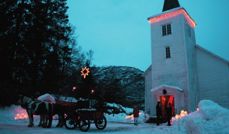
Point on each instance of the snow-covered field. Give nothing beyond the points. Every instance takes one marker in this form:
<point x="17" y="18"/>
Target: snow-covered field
<point x="116" y="124"/>
<point x="209" y="119"/>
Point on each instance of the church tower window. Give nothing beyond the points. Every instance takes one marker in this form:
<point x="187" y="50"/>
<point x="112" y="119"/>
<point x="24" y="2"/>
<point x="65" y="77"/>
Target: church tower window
<point x="166" y="29"/>
<point x="167" y="52"/>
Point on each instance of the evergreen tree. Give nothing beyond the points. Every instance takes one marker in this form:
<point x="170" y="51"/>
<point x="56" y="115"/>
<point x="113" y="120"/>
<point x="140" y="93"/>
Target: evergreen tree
<point x="38" y="51"/>
<point x="6" y="34"/>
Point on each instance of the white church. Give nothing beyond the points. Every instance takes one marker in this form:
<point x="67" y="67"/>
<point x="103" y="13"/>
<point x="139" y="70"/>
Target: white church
<point x="182" y="73"/>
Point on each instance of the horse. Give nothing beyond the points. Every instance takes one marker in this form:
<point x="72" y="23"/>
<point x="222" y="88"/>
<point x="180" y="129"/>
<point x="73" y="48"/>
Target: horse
<point x="59" y="107"/>
<point x="36" y="107"/>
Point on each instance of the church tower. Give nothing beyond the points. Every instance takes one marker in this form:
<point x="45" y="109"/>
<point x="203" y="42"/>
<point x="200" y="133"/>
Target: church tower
<point x="173" y="57"/>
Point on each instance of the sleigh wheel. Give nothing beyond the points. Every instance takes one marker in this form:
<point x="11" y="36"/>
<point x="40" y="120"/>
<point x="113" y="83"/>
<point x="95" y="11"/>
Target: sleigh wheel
<point x="84" y="125"/>
<point x="101" y="123"/>
<point x="70" y="123"/>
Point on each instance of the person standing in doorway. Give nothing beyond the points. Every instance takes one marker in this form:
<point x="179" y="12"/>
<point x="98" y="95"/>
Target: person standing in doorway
<point x="158" y="112"/>
<point x="169" y="113"/>
<point x="136" y="114"/>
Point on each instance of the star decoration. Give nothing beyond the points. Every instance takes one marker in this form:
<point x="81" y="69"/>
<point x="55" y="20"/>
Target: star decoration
<point x="85" y="72"/>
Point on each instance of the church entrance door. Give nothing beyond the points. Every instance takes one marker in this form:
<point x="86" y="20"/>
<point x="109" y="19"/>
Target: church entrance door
<point x="165" y="100"/>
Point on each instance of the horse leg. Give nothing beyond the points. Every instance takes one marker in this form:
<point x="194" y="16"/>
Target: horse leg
<point x="40" y="122"/>
<point x="49" y="120"/>
<point x="30" y="119"/>
<point x="49" y="114"/>
<point x="44" y="121"/>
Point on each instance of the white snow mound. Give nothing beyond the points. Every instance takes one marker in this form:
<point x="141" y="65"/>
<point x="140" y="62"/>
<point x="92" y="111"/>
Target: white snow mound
<point x="211" y="110"/>
<point x="210" y="119"/>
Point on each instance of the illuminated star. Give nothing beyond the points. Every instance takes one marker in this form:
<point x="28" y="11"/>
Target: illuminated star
<point x="85" y="72"/>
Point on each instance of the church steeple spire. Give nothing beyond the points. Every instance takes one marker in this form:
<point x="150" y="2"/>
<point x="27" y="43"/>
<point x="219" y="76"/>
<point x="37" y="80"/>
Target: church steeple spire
<point x="170" y="4"/>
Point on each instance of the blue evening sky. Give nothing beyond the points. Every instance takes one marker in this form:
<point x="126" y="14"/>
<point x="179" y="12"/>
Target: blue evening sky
<point x="119" y="34"/>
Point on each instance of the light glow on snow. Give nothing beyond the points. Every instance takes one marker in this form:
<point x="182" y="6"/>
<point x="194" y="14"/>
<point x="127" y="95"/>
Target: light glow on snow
<point x="21" y="114"/>
<point x="210" y="118"/>
<point x="182" y="114"/>
<point x="131" y="117"/>
<point x="175" y="13"/>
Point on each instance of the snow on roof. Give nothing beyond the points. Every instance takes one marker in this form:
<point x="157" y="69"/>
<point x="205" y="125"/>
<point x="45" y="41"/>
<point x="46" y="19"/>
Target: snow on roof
<point x="148" y="69"/>
<point x="47" y="98"/>
<point x="164" y="86"/>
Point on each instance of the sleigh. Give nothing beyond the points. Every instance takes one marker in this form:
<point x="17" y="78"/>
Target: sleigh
<point x="85" y="112"/>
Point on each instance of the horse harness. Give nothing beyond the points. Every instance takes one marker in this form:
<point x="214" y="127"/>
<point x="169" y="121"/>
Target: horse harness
<point x="33" y="105"/>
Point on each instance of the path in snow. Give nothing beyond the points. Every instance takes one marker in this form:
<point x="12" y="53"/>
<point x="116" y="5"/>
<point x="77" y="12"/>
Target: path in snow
<point x="112" y="128"/>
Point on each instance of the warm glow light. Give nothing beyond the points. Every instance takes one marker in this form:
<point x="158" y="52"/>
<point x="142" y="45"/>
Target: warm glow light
<point x="85" y="72"/>
<point x="131" y="117"/>
<point x="182" y="114"/>
<point x="20" y="114"/>
<point x="169" y="15"/>
<point x="74" y="88"/>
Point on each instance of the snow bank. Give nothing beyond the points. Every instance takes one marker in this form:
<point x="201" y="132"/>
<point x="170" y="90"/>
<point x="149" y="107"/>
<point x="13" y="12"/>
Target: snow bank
<point x="211" y="110"/>
<point x="122" y="117"/>
<point x="211" y="118"/>
<point x="8" y="114"/>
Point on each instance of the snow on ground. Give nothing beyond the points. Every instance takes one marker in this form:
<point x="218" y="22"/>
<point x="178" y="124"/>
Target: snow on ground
<point x="122" y="117"/>
<point x="116" y="124"/>
<point x="209" y="119"/>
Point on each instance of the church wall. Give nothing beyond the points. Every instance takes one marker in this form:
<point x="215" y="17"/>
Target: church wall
<point x="148" y="87"/>
<point x="190" y="43"/>
<point x="213" y="77"/>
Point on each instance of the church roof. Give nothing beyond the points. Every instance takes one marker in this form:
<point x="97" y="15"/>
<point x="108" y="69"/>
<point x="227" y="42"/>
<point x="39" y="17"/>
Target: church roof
<point x="172" y="13"/>
<point x="212" y="54"/>
<point x="164" y="86"/>
<point x="170" y="4"/>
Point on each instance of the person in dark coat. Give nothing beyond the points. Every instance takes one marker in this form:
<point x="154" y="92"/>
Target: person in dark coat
<point x="158" y="112"/>
<point x="169" y="113"/>
<point x="136" y="114"/>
